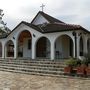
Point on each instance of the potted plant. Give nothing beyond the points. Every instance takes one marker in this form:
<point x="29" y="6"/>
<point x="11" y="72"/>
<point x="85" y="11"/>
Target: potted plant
<point x="70" y="64"/>
<point x="88" y="71"/>
<point x="81" y="69"/>
<point x="87" y="56"/>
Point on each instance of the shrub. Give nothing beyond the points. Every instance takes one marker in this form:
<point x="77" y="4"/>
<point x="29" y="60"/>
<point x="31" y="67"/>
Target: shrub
<point x="71" y="62"/>
<point x="78" y="62"/>
<point x="86" y="60"/>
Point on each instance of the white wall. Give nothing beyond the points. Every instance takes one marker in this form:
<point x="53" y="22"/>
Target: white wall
<point x="59" y="45"/>
<point x="26" y="51"/>
<point x="39" y="20"/>
<point x="65" y="47"/>
<point x="51" y="36"/>
<point x="62" y="45"/>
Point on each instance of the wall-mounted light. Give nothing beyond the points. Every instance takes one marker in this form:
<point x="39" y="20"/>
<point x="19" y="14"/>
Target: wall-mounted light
<point x="79" y="34"/>
<point x="14" y="38"/>
<point x="34" y="35"/>
<point x="74" y="33"/>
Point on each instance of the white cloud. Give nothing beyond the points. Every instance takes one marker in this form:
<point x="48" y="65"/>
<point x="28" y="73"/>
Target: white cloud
<point x="70" y="11"/>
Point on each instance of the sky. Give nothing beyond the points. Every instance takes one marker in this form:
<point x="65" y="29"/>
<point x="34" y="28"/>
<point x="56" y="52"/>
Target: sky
<point x="69" y="11"/>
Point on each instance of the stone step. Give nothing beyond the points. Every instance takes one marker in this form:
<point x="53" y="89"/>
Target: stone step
<point x="34" y="67"/>
<point x="31" y="70"/>
<point x="35" y="64"/>
<point x="37" y="67"/>
<point x="34" y="73"/>
<point x="35" y="61"/>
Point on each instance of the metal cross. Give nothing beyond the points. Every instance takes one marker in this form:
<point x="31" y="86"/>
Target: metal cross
<point x="42" y="7"/>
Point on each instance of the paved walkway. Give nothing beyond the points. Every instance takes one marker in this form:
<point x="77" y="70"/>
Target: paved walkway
<point x="16" y="81"/>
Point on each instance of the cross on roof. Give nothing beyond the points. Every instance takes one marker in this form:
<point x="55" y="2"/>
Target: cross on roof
<point x="42" y="7"/>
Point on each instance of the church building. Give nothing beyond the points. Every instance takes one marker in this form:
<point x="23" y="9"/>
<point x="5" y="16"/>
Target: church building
<point x="47" y="38"/>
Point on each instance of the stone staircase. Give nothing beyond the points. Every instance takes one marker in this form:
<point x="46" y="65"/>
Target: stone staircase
<point x="33" y="67"/>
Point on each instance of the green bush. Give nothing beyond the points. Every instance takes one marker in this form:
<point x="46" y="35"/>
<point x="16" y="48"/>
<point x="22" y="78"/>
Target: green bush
<point x="71" y="62"/>
<point x="85" y="62"/>
<point x="87" y="58"/>
<point x="78" y="62"/>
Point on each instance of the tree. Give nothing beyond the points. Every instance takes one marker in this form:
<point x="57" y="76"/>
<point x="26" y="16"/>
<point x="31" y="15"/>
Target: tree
<point x="3" y="26"/>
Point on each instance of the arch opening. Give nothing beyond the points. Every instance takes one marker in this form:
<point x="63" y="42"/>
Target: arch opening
<point x="43" y="48"/>
<point x="10" y="49"/>
<point x="25" y="44"/>
<point x="63" y="47"/>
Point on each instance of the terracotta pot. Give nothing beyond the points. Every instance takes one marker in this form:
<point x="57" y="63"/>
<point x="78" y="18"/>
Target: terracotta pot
<point x="81" y="70"/>
<point x="68" y="70"/>
<point x="88" y="71"/>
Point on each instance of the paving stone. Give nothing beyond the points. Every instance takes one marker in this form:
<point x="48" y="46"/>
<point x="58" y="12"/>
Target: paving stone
<point x="16" y="81"/>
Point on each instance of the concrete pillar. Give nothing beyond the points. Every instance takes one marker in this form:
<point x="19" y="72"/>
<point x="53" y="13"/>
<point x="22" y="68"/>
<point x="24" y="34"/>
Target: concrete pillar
<point x="89" y="46"/>
<point x="33" y="49"/>
<point x="85" y="44"/>
<point x="15" y="50"/>
<point x="3" y="50"/>
<point x="75" y="34"/>
<point x="74" y="48"/>
<point x="78" y="46"/>
<point x="52" y="50"/>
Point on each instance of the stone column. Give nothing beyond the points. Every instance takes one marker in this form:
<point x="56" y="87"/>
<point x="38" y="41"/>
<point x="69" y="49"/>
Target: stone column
<point x="75" y="34"/>
<point x="78" y="46"/>
<point x="15" y="49"/>
<point x="85" y="44"/>
<point x="33" y="49"/>
<point x="3" y="50"/>
<point x="52" y="50"/>
<point x="74" y="48"/>
<point x="89" y="45"/>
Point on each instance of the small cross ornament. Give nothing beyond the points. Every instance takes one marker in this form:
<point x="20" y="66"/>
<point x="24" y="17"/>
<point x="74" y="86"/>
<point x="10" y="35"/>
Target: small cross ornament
<point x="42" y="6"/>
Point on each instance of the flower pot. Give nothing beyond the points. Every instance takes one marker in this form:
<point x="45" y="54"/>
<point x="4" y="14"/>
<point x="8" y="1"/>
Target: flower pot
<point x="81" y="70"/>
<point x="68" y="70"/>
<point x="88" y="71"/>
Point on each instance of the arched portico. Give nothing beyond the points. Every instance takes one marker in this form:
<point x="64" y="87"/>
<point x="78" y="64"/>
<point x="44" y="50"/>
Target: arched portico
<point x="0" y="49"/>
<point x="64" y="47"/>
<point x="43" y="48"/>
<point x="9" y="49"/>
<point x="24" y="44"/>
